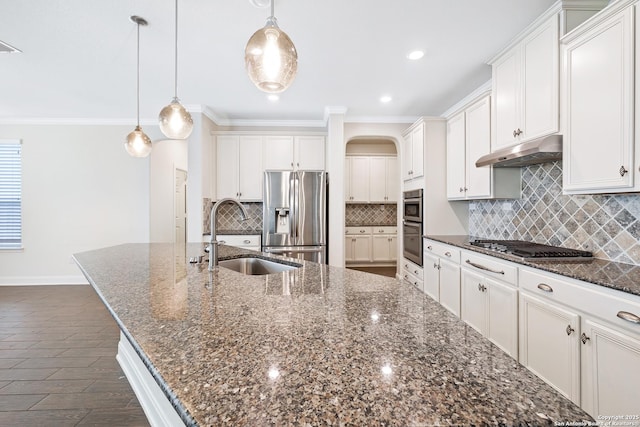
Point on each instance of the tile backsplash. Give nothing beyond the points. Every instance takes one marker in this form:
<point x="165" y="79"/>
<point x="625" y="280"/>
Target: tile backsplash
<point x="607" y="225"/>
<point x="229" y="217"/>
<point x="370" y="214"/>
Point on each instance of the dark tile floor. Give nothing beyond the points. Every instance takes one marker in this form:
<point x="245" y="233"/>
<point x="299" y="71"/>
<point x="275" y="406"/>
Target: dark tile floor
<point x="382" y="271"/>
<point x="57" y="360"/>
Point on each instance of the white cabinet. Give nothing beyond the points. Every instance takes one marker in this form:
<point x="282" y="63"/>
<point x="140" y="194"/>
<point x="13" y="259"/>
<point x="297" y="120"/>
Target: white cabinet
<point x="413" y="152"/>
<point x="306" y="152"/>
<point x="412" y="274"/>
<point x="469" y="138"/>
<point x="598" y="105"/>
<point x="357" y="244"/>
<point x="489" y="304"/>
<point x="582" y="339"/>
<point x="357" y="179"/>
<point x="525" y="87"/>
<point x="548" y="344"/>
<point x="239" y="167"/>
<point x="383" y="182"/>
<point x="442" y="275"/>
<point x="384" y="244"/>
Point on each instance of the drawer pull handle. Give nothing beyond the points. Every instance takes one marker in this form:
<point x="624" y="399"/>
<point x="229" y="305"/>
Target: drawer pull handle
<point x="544" y="287"/>
<point x="569" y="329"/>
<point x="430" y="247"/>
<point x="448" y="254"/>
<point x="584" y="338"/>
<point x="482" y="267"/>
<point x="629" y="317"/>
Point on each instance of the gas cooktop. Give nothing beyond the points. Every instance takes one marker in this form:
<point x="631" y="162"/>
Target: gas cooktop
<point x="533" y="251"/>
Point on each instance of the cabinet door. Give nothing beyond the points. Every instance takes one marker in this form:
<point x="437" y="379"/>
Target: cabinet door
<point x="456" y="157"/>
<point x="417" y="151"/>
<point x="378" y="179"/>
<point x="392" y="179"/>
<point x="380" y="249"/>
<point x="393" y="248"/>
<point x="349" y="243"/>
<point x="407" y="153"/>
<point x="549" y="344"/>
<point x="309" y="153"/>
<point x="478" y="143"/>
<point x="250" y="168"/>
<point x="359" y="179"/>
<point x="502" y="311"/>
<point x="473" y="306"/>
<point x="362" y="248"/>
<point x="450" y="286"/>
<point x="347" y="180"/>
<point x="278" y="153"/>
<point x="540" y="76"/>
<point x="506" y="98"/>
<point x="610" y="361"/>
<point x="227" y="166"/>
<point x="598" y="108"/>
<point x="431" y="277"/>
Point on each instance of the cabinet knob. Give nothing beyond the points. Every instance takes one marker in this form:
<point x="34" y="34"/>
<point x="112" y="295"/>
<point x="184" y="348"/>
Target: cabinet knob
<point x="466" y="189"/>
<point x="448" y="254"/>
<point x="569" y="329"/>
<point x="584" y="338"/>
<point x="517" y="132"/>
<point x="291" y="164"/>
<point x="461" y="190"/>
<point x="622" y="171"/>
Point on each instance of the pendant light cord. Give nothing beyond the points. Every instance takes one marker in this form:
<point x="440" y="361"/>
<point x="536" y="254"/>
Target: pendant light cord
<point x="176" y="56"/>
<point x="138" y="76"/>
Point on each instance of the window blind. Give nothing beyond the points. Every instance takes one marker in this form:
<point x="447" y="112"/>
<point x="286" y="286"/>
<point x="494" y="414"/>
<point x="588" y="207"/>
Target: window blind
<point x="10" y="194"/>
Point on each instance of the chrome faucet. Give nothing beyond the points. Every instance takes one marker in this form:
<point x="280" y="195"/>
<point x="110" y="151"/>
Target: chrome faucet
<point x="213" y="244"/>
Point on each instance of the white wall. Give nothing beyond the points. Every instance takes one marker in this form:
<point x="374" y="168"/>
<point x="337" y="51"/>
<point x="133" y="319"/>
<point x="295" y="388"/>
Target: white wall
<point x="81" y="191"/>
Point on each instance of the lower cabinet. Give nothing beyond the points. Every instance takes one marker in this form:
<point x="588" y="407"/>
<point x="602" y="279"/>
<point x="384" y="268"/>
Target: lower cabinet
<point x="549" y="344"/>
<point x="488" y="305"/>
<point x="371" y="245"/>
<point x="412" y="273"/>
<point x="442" y="275"/>
<point x="583" y="340"/>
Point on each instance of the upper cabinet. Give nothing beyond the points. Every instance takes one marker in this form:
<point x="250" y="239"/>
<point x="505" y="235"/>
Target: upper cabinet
<point x="413" y="152"/>
<point x="525" y="87"/>
<point x="239" y="167"/>
<point x="598" y="103"/>
<point x="294" y="152"/>
<point x="468" y="138"/>
<point x="371" y="179"/>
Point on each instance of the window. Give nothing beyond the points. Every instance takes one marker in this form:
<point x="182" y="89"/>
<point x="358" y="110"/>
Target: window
<point x="10" y="194"/>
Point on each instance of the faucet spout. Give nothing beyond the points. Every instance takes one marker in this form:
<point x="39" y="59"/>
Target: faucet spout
<point x="213" y="244"/>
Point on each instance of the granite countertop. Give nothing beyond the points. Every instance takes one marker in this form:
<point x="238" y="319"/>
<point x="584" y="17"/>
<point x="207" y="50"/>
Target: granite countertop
<point x="614" y="275"/>
<point x="316" y="345"/>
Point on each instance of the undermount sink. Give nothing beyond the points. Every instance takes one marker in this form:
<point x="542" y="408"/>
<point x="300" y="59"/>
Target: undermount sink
<point x="256" y="266"/>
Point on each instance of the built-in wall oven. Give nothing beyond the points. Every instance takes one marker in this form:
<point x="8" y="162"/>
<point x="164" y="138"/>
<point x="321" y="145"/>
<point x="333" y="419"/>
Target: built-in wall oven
<point x="412" y="226"/>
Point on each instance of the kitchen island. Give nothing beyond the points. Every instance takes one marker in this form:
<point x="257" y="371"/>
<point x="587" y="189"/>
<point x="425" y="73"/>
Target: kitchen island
<point x="315" y="345"/>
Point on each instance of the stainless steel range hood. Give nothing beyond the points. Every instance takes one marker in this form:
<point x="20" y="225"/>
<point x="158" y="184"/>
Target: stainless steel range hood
<point x="543" y="150"/>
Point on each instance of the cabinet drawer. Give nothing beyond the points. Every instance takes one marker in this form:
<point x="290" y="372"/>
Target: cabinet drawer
<point x="413" y="269"/>
<point x="490" y="267"/>
<point x="608" y="304"/>
<point x="357" y="230"/>
<point x="239" y="239"/>
<point x="384" y="230"/>
<point x="413" y="280"/>
<point x="442" y="250"/>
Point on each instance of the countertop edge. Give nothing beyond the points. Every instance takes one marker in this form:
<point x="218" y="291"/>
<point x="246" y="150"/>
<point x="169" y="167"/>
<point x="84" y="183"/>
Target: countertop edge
<point x="171" y="396"/>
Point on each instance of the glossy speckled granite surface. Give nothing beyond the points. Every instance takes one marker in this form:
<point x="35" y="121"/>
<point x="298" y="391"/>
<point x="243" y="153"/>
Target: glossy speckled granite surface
<point x="318" y="345"/>
<point x="614" y="275"/>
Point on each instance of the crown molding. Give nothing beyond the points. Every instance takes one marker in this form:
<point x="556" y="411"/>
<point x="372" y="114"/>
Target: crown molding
<point x="478" y="93"/>
<point x="66" y="121"/>
<point x="381" y="119"/>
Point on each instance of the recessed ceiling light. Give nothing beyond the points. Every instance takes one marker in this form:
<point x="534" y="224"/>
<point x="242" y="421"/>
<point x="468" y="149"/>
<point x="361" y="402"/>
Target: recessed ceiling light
<point x="384" y="99"/>
<point x="273" y="97"/>
<point x="260" y="3"/>
<point x="416" y="54"/>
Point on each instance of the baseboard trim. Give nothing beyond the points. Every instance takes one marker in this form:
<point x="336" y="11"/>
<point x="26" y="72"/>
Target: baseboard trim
<point x="42" y="280"/>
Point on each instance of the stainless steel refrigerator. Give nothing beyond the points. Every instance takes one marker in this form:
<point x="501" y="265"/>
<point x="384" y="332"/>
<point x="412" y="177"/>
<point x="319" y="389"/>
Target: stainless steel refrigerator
<point x="294" y="214"/>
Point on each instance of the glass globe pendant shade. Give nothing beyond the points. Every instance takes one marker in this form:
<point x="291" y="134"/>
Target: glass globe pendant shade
<point x="271" y="59"/>
<point x="175" y="121"/>
<point x="138" y="144"/>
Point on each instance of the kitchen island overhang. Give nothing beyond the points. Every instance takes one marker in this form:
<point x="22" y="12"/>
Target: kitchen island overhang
<point x="319" y="344"/>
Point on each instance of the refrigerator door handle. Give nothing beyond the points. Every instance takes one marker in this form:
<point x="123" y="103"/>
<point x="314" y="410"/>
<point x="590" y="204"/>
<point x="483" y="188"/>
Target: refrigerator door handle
<point x="288" y="249"/>
<point x="294" y="206"/>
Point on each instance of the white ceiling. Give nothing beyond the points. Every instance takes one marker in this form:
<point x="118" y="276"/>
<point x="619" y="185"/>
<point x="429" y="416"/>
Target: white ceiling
<point x="78" y="56"/>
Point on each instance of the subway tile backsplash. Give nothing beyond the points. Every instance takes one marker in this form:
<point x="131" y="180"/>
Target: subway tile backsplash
<point x="607" y="225"/>
<point x="370" y="214"/>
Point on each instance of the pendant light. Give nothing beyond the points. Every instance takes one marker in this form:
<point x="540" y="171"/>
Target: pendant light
<point x="271" y="58"/>
<point x="175" y="120"/>
<point x="138" y="144"/>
